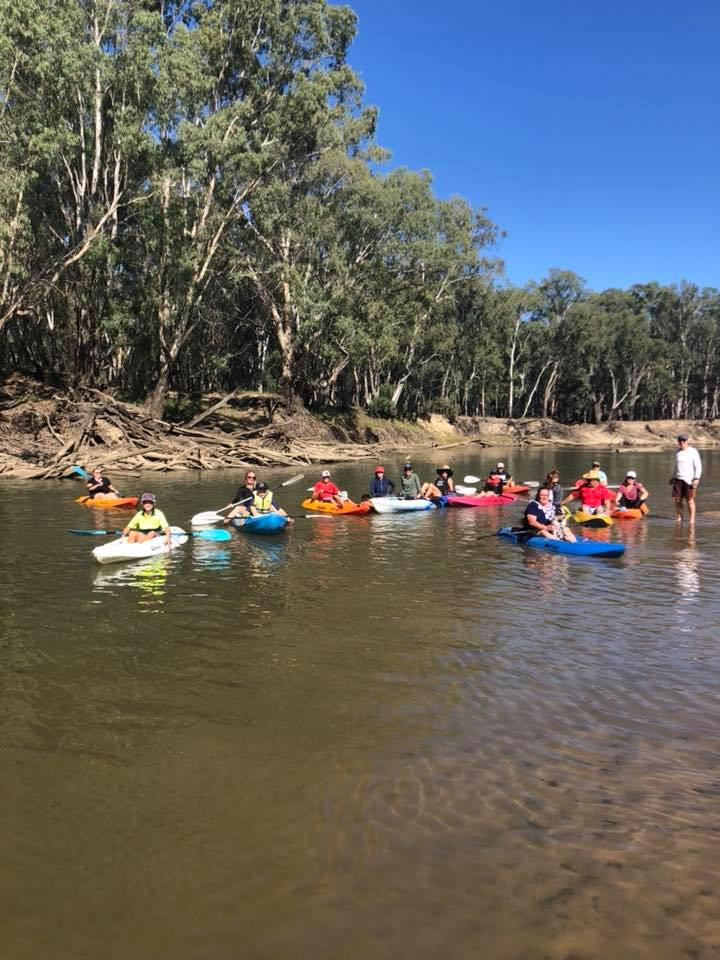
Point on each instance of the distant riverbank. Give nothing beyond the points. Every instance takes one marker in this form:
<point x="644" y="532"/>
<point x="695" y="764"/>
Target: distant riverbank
<point x="45" y="431"/>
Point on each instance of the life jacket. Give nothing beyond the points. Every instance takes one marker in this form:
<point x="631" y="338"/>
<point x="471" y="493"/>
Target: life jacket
<point x="495" y="482"/>
<point x="263" y="502"/>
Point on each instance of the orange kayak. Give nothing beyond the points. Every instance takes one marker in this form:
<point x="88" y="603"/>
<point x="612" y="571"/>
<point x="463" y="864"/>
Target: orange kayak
<point x="349" y="507"/>
<point x="630" y="514"/>
<point x="515" y="488"/>
<point x="107" y="503"/>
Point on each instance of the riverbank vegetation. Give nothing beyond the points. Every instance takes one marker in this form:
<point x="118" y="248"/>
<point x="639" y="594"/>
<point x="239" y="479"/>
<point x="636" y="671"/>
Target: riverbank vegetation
<point x="192" y="200"/>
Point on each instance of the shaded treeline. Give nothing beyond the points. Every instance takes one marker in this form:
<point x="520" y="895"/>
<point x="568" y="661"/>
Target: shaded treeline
<point x="191" y="198"/>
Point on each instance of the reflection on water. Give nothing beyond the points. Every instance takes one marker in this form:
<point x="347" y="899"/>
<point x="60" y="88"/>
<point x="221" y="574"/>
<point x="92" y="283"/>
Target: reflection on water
<point x="372" y="738"/>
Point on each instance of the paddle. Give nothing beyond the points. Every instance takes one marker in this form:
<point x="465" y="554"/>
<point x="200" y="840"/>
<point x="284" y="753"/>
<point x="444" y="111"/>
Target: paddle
<point x="81" y="472"/>
<point x="200" y="534"/>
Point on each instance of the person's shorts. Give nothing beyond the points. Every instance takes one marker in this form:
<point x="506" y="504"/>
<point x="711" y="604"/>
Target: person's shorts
<point x="588" y="509"/>
<point x="682" y="490"/>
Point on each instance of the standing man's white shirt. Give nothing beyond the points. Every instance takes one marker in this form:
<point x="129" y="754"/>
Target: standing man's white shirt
<point x="687" y="465"/>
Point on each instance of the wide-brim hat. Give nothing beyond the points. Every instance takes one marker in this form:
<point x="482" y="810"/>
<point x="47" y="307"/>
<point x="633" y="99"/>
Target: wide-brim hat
<point x="444" y="469"/>
<point x="592" y="475"/>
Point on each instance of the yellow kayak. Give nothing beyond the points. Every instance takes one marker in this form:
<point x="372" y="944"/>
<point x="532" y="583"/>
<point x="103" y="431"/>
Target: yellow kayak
<point x="592" y="519"/>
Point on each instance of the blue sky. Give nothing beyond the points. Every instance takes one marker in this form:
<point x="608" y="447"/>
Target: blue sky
<point x="590" y="130"/>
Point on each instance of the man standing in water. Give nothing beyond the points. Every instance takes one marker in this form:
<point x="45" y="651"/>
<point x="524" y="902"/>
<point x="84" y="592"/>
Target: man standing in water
<point x="685" y="479"/>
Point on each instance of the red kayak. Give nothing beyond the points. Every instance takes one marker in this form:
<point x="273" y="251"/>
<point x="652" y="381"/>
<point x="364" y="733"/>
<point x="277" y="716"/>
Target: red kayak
<point x="489" y="500"/>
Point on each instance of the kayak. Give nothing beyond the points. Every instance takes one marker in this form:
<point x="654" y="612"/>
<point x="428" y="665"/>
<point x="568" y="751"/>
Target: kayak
<point x="120" y="550"/>
<point x="582" y="548"/>
<point x="347" y="509"/>
<point x="515" y="488"/>
<point x="107" y="503"/>
<point x="397" y="505"/>
<point x="630" y="514"/>
<point x="262" y="523"/>
<point x="592" y="519"/>
<point x="489" y="500"/>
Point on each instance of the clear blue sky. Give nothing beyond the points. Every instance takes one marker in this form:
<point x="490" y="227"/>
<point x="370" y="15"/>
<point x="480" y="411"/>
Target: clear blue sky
<point x="590" y="129"/>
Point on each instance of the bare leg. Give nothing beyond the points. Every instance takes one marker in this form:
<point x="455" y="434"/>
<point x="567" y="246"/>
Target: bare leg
<point x="678" y="511"/>
<point x="691" y="510"/>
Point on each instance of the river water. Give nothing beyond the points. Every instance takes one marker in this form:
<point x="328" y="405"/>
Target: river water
<point x="368" y="738"/>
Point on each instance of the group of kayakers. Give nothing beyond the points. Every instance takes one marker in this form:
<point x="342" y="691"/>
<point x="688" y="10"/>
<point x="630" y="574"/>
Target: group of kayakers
<point x="545" y="515"/>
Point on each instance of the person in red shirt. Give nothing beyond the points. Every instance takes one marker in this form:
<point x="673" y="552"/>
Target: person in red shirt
<point x="593" y="495"/>
<point x="326" y="490"/>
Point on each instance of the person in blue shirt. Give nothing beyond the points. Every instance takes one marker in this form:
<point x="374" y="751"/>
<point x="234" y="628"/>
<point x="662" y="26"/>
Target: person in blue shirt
<point x="540" y="518"/>
<point x="380" y="486"/>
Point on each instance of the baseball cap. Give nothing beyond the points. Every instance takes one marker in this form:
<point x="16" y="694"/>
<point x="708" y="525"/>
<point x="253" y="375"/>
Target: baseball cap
<point x="683" y="436"/>
<point x="595" y="463"/>
<point x="325" y="473"/>
<point x="407" y="465"/>
<point x="379" y="469"/>
<point x="147" y="498"/>
<point x="631" y="473"/>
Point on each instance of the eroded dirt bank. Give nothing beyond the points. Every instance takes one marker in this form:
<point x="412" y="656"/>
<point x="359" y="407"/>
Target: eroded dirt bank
<point x="45" y="431"/>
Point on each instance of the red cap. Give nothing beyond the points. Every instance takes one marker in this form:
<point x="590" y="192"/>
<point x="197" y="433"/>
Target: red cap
<point x="379" y="469"/>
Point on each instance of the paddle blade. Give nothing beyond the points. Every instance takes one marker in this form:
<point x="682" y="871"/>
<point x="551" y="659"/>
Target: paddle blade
<point x="212" y="534"/>
<point x="206" y="518"/>
<point x="80" y="472"/>
<point x="93" y="533"/>
<point x="471" y="479"/>
<point x="533" y="484"/>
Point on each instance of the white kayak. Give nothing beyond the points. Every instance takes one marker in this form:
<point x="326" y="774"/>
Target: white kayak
<point x="120" y="550"/>
<point x="397" y="505"/>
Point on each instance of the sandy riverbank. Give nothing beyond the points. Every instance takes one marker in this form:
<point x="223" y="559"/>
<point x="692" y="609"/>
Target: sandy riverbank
<point x="45" y="431"/>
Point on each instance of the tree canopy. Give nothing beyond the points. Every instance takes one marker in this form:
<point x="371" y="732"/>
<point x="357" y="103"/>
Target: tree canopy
<point x="191" y="197"/>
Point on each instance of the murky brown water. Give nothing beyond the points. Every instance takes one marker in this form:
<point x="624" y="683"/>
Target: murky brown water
<point x="368" y="738"/>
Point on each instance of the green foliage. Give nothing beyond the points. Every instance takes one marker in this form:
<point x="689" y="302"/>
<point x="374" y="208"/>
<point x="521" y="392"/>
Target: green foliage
<point x="191" y="197"/>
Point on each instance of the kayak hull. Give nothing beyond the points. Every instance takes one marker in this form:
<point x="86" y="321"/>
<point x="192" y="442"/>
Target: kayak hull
<point x="108" y="503"/>
<point x="515" y="488"/>
<point x="630" y="514"/>
<point x="120" y="551"/>
<point x="582" y="548"/>
<point x="348" y="508"/>
<point x="397" y="505"/>
<point x="263" y="523"/>
<point x="489" y="500"/>
<point x="592" y="519"/>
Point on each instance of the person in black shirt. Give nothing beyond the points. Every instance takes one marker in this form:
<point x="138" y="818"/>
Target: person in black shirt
<point x="100" y="485"/>
<point x="243" y="499"/>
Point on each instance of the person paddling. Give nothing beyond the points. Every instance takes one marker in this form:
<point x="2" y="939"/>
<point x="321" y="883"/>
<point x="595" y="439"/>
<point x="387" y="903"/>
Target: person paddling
<point x="594" y="496"/>
<point x="444" y="484"/>
<point x="98" y="485"/>
<point x="380" y="485"/>
<point x="540" y="518"/>
<point x="552" y="482"/>
<point x="264" y="502"/>
<point x="243" y="498"/>
<point x="631" y="493"/>
<point x="148" y="522"/>
<point x="498" y="478"/>
<point x="326" y="491"/>
<point x="410" y="485"/>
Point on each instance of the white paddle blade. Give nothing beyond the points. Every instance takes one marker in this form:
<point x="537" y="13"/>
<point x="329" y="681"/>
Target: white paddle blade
<point x="533" y="484"/>
<point x="465" y="491"/>
<point x="471" y="479"/>
<point x="287" y="483"/>
<point x="205" y="519"/>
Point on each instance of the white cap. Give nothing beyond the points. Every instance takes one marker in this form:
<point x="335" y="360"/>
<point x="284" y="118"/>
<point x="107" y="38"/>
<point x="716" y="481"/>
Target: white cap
<point x="325" y="473"/>
<point x="631" y="473"/>
<point x="500" y="463"/>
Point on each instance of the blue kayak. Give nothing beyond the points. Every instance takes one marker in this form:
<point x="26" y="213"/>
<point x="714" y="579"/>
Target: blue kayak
<point x="582" y="548"/>
<point x="262" y="523"/>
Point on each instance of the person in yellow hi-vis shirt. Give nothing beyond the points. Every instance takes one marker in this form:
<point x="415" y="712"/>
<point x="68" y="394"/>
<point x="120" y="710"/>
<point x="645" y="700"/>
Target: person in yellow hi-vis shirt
<point x="147" y="523"/>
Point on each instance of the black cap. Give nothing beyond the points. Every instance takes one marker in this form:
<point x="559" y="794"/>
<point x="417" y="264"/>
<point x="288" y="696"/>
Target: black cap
<point x="683" y="436"/>
<point x="261" y="486"/>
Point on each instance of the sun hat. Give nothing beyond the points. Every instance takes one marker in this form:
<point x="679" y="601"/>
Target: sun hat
<point x="444" y="469"/>
<point x="147" y="498"/>
<point x="591" y="475"/>
<point x="631" y="473"/>
<point x="325" y="473"/>
<point x="683" y="436"/>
